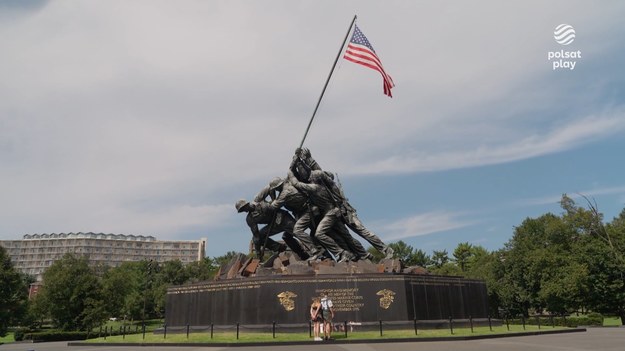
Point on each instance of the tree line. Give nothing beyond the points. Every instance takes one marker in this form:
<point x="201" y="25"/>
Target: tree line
<point x="78" y="297"/>
<point x="555" y="263"/>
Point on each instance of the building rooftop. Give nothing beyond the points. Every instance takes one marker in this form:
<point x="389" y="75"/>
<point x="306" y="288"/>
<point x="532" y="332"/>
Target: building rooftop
<point x="89" y="235"/>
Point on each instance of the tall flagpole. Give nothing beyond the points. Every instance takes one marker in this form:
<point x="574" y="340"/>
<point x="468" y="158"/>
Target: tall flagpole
<point x="327" y="81"/>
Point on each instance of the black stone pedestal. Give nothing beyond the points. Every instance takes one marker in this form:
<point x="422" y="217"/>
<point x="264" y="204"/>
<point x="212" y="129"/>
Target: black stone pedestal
<point x="286" y="299"/>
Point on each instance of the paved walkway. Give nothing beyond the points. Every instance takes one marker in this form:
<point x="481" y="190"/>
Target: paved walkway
<point x="594" y="339"/>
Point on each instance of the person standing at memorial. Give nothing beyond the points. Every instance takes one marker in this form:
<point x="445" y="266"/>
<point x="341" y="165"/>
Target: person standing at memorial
<point x="327" y="309"/>
<point x="316" y="317"/>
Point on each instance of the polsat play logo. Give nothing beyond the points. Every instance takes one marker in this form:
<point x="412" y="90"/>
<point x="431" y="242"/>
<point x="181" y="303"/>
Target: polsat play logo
<point x="564" y="34"/>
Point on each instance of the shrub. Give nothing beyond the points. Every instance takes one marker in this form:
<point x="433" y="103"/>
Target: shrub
<point x="18" y="334"/>
<point x="591" y="319"/>
<point x="56" y="335"/>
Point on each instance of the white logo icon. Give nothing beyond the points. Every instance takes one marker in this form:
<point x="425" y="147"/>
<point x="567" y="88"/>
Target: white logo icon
<point x="564" y="34"/>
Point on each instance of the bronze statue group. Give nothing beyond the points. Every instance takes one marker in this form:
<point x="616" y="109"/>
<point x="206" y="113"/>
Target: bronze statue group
<point x="311" y="211"/>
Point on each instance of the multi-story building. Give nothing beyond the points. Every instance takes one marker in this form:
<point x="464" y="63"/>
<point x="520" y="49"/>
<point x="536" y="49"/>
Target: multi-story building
<point x="36" y="252"/>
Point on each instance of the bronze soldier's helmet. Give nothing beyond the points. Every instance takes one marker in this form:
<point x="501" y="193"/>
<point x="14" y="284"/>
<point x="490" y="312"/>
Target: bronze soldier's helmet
<point x="316" y="176"/>
<point x="241" y="204"/>
<point x="276" y="182"/>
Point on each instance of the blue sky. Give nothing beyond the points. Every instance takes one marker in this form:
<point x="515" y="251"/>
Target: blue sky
<point x="154" y="117"/>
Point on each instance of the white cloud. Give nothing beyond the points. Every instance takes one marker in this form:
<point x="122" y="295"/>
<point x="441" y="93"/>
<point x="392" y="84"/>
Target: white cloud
<point x="423" y="224"/>
<point x="203" y="219"/>
<point x="573" y="194"/>
<point x="563" y="138"/>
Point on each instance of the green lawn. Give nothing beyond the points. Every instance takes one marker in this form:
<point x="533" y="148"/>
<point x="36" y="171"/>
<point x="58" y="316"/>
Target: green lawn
<point x="7" y="338"/>
<point x="611" y="321"/>
<point x="230" y="336"/>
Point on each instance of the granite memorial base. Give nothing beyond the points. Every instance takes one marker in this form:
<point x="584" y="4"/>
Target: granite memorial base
<point x="359" y="299"/>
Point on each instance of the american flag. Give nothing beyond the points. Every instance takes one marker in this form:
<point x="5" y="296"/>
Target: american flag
<point x="360" y="51"/>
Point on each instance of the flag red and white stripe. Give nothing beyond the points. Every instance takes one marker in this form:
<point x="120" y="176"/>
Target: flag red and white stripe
<point x="360" y="51"/>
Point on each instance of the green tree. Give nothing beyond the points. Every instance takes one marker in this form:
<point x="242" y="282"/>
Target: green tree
<point x="118" y="285"/>
<point x="168" y="274"/>
<point x="202" y="270"/>
<point x="401" y="250"/>
<point x="462" y="254"/>
<point x="602" y="253"/>
<point x="487" y="266"/>
<point x="173" y="272"/>
<point x="439" y="258"/>
<point x="13" y="293"/>
<point x="419" y="258"/>
<point x="408" y="255"/>
<point x="149" y="285"/>
<point x="377" y="255"/>
<point x="448" y="268"/>
<point x="135" y="301"/>
<point x="225" y="259"/>
<point x="36" y="313"/>
<point x="522" y="268"/>
<point x="550" y="262"/>
<point x="73" y="294"/>
<point x="479" y="257"/>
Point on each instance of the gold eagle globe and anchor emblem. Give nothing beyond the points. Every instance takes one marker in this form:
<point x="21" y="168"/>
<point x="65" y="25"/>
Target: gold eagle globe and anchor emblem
<point x="386" y="298"/>
<point x="286" y="300"/>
